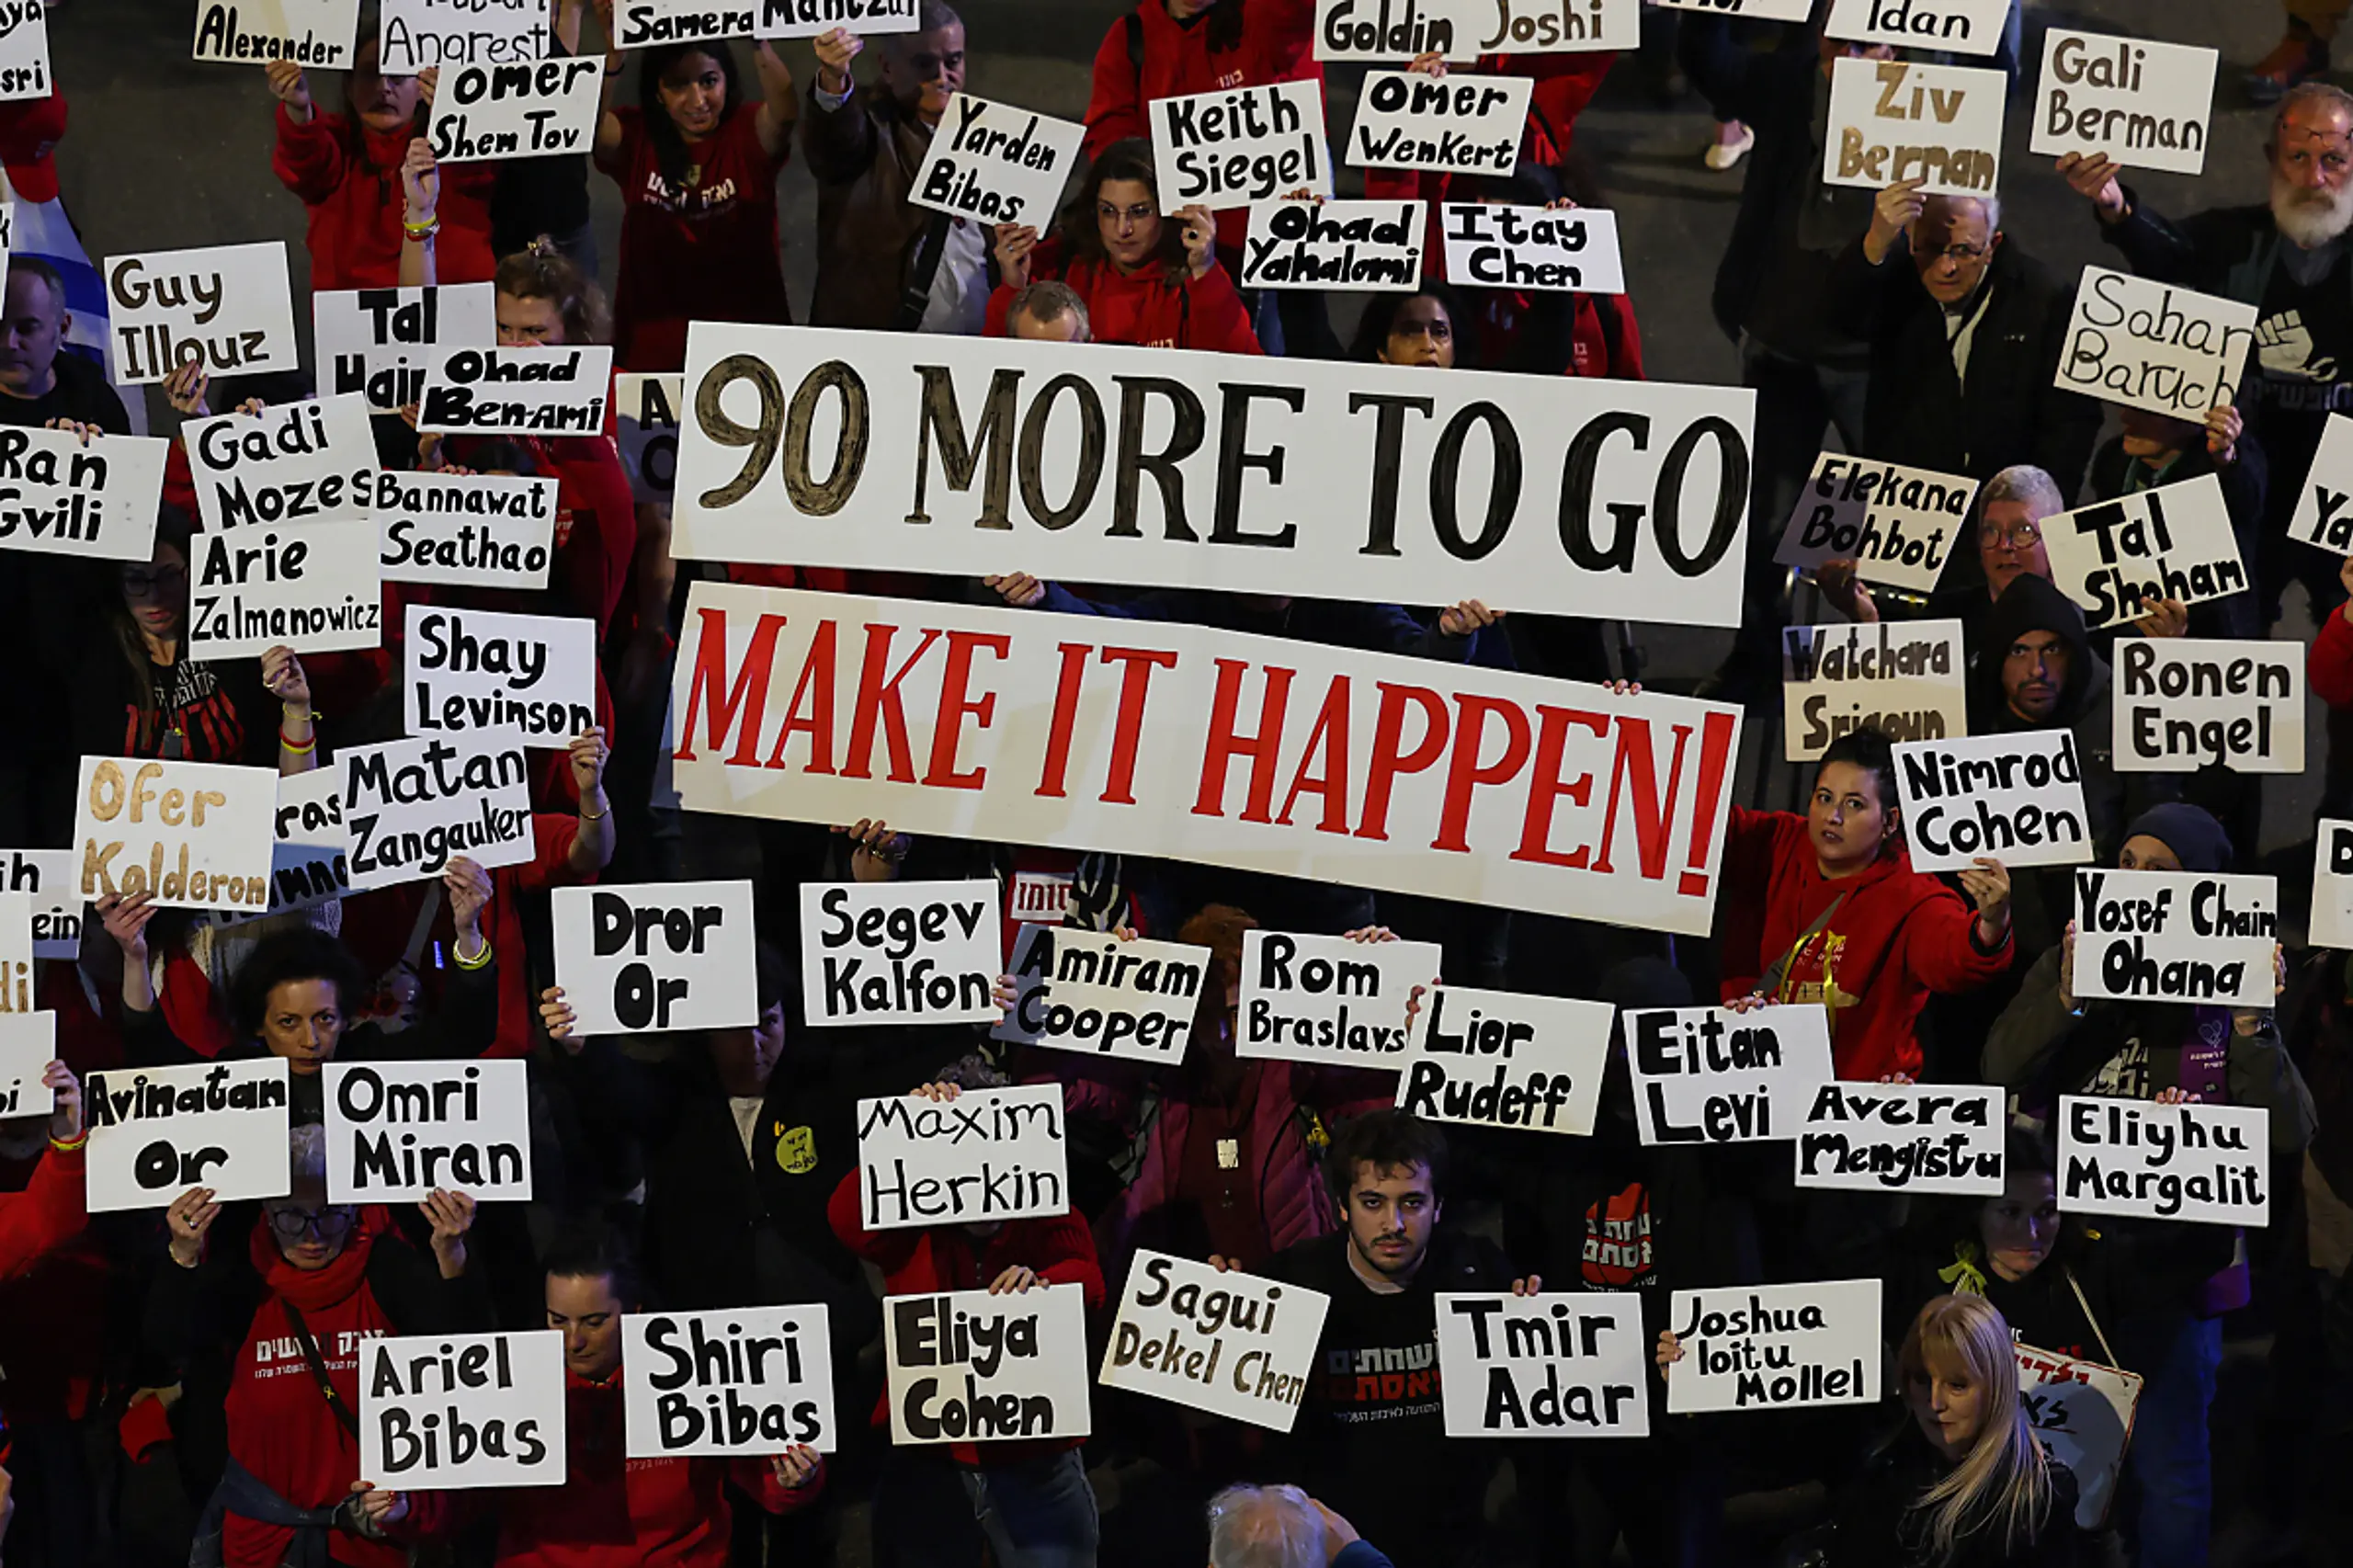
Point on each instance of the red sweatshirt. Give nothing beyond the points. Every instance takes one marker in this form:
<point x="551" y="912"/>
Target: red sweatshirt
<point x="29" y="130"/>
<point x="355" y="204"/>
<point x="1899" y="935"/>
<point x="48" y="1213"/>
<point x="1144" y="310"/>
<point x="2329" y="665"/>
<point x="613" y="1512"/>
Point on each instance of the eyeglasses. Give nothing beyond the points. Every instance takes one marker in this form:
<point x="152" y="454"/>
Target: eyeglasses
<point x="326" y="1224"/>
<point x="1960" y="255"/>
<point x="141" y="583"/>
<point x="1142" y="212"/>
<point x="2017" y="536"/>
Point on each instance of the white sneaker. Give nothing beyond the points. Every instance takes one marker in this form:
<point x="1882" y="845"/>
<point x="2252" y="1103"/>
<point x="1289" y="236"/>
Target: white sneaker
<point x="1721" y="154"/>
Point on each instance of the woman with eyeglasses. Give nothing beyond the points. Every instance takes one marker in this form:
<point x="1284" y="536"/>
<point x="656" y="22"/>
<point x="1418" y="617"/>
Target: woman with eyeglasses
<point x="263" y="1314"/>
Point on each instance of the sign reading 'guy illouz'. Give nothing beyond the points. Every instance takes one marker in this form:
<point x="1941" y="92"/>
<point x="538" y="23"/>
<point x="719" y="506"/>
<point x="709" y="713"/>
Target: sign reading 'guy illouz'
<point x="2176" y="937"/>
<point x="1327" y="999"/>
<point x="397" y="1130"/>
<point x="1711" y="1075"/>
<point x="738" y="1380"/>
<point x="1907" y="679"/>
<point x="1775" y="1346"/>
<point x="1898" y="525"/>
<point x="1239" y="146"/>
<point x="900" y="952"/>
<point x="2203" y="1163"/>
<point x="987" y="1154"/>
<point x="1089" y="990"/>
<point x="2119" y="559"/>
<point x="1227" y="1342"/>
<point x="1903" y="1137"/>
<point x="1543" y="1365"/>
<point x="2017" y="798"/>
<point x="1505" y="1059"/>
<point x="227" y="308"/>
<point x="2187" y="703"/>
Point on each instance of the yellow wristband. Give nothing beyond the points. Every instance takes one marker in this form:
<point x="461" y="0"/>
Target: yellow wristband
<point x="479" y="960"/>
<point x="69" y="1148"/>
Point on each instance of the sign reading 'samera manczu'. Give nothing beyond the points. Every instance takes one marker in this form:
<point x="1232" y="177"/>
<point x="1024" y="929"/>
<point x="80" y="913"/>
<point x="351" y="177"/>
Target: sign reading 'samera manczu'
<point x="1260" y="752"/>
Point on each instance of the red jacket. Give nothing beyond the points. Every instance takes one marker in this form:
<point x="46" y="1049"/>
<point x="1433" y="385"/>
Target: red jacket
<point x="2329" y="665"/>
<point x="613" y="1512"/>
<point x="351" y="184"/>
<point x="1200" y="313"/>
<point x="1899" y="935"/>
<point x="29" y="130"/>
<point x="47" y="1214"/>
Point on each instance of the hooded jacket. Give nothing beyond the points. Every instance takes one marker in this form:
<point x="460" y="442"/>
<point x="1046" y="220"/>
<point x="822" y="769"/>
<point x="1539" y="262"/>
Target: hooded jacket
<point x="48" y="1213"/>
<point x="1144" y="309"/>
<point x="348" y="178"/>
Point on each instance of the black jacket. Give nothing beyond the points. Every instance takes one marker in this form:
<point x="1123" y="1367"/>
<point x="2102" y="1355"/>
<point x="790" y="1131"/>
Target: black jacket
<point x="1873" y="1524"/>
<point x="2246" y="488"/>
<point x="1773" y="95"/>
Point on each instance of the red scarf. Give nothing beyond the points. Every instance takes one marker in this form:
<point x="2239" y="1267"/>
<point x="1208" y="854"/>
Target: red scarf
<point x="313" y="1290"/>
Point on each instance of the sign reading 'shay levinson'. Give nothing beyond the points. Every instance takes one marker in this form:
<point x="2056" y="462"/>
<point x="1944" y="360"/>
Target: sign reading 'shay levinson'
<point x="1505" y="1059"/>
<point x="2119" y="559"/>
<point x="28" y="1045"/>
<point x="1232" y="1343"/>
<point x="2149" y="344"/>
<point x="2332" y="915"/>
<point x="1711" y="1075"/>
<point x="739" y="1381"/>
<point x="446" y="1411"/>
<point x="1088" y="991"/>
<point x="1463" y="123"/>
<point x="2016" y="798"/>
<point x="225" y="307"/>
<point x="988" y="1154"/>
<point x="156" y="1131"/>
<point x="516" y="392"/>
<point x="492" y="531"/>
<point x="1903" y="1137"/>
<point x="1891" y="120"/>
<point x="472" y="670"/>
<point x="996" y="163"/>
<point x="2176" y="937"/>
<point x="900" y="952"/>
<point x="296" y="462"/>
<point x="378" y="342"/>
<point x="313" y="587"/>
<point x="530" y="109"/>
<point x="310" y="33"/>
<point x="1538" y="248"/>
<point x="646" y="414"/>
<point x="641" y="23"/>
<point x="655" y="956"/>
<point x="1960" y="26"/>
<point x="420" y="34"/>
<point x="194" y="834"/>
<point x="1560" y="1366"/>
<point x="1898" y="525"/>
<point x="62" y="495"/>
<point x="1774" y="1346"/>
<point x="1236" y="146"/>
<point x="2082" y="1414"/>
<point x="396" y="1131"/>
<point x="1327" y="999"/>
<point x="1908" y="680"/>
<point x="1371" y="245"/>
<point x="311" y="864"/>
<point x="2185" y="703"/>
<point x="46" y="876"/>
<point x="2141" y="103"/>
<point x="2324" y="514"/>
<point x="2206" y="1162"/>
<point x="966" y="1365"/>
<point x="409" y="805"/>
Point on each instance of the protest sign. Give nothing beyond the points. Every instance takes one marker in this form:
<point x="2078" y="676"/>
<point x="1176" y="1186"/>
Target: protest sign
<point x="418" y="34"/>
<point x="1229" y="1343"/>
<point x="2017" y="798"/>
<point x="311" y="865"/>
<point x="2119" y="559"/>
<point x="529" y="110"/>
<point x="491" y="530"/>
<point x="640" y="956"/>
<point x="1903" y="1137"/>
<point x="24" y="50"/>
<point x="410" y="806"/>
<point x="900" y="952"/>
<point x="2332" y="914"/>
<point x="1898" y="525"/>
<point x="1909" y="680"/>
<point x="1775" y="1346"/>
<point x="1893" y="119"/>
<point x="442" y="1412"/>
<point x="2324" y="514"/>
<point x="1394" y="30"/>
<point x="515" y="392"/>
<point x="2176" y="937"/>
<point x="1506" y="246"/>
<point x="641" y="23"/>
<point x="1037" y="728"/>
<point x="1459" y="123"/>
<point x="475" y="670"/>
<point x="397" y="1130"/>
<point x="2082" y="1414"/>
<point x="1761" y="10"/>
<point x="156" y="1131"/>
<point x="2142" y="104"/>
<point x="313" y="588"/>
<point x="310" y="33"/>
<point x="807" y="19"/>
<point x="988" y="1154"/>
<point x="376" y="342"/>
<point x="646" y="409"/>
<point x="1505" y="1059"/>
<point x="225" y="307"/>
<point x="1088" y="991"/>
<point x="1234" y="147"/>
<point x="965" y="1365"/>
<point x="17" y="953"/>
<point x="295" y="462"/>
<point x="47" y="877"/>
<point x="1371" y="245"/>
<point x="2185" y="703"/>
<point x="1711" y="1075"/>
<point x="28" y="1045"/>
<point x="739" y="1381"/>
<point x="2149" y="344"/>
<point x="195" y="835"/>
<point x="1327" y="999"/>
<point x="1549" y="26"/>
<point x="61" y="495"/>
<point x="996" y="163"/>
<point x="2185" y="1161"/>
<point x="1557" y="1366"/>
<point x="814" y="446"/>
<point x="1960" y="26"/>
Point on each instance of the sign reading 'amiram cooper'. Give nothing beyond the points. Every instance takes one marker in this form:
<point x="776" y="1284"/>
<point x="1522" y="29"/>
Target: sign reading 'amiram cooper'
<point x="1371" y="245"/>
<point x="1459" y="124"/>
<point x="2144" y="105"/>
<point x="987" y="1155"/>
<point x="2205" y="1163"/>
<point x="811" y="446"/>
<point x="378" y="342"/>
<point x="657" y="955"/>
<point x="1328" y="999"/>
<point x="1229" y="148"/>
<point x="2119" y="559"/>
<point x="1903" y="1137"/>
<point x="2185" y="703"/>
<point x="156" y="1131"/>
<point x="308" y="32"/>
<point x="1229" y="1343"/>
<point x="397" y="1130"/>
<point x="1492" y="244"/>
<point x="2149" y="344"/>
<point x="1775" y="1346"/>
<point x="2017" y="798"/>
<point x="1088" y="991"/>
<point x="1892" y="121"/>
<point x="227" y="308"/>
<point x="490" y="530"/>
<point x="1561" y="1365"/>
<point x="900" y="952"/>
<point x="1505" y="1059"/>
<point x="2176" y="936"/>
<point x="296" y="462"/>
<point x="1268" y="754"/>
<point x="1898" y="525"/>
<point x="996" y="163"/>
<point x="195" y="835"/>
<point x="516" y="392"/>
<point x="410" y="806"/>
<point x="1907" y="679"/>
<point x="62" y="495"/>
<point x="448" y="1411"/>
<point x="739" y="1381"/>
<point x="472" y="670"/>
<point x="967" y="1366"/>
<point x="1711" y="1075"/>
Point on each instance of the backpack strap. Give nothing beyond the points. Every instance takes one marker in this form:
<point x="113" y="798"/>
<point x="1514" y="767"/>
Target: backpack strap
<point x="317" y="1363"/>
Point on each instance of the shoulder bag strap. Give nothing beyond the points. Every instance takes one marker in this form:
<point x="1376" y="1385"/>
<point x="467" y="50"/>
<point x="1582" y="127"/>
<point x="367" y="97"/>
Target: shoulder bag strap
<point x="1770" y="984"/>
<point x="2082" y="1300"/>
<point x="310" y="1358"/>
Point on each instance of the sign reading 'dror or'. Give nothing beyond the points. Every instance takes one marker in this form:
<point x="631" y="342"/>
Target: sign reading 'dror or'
<point x="2176" y="937"/>
<point x="2185" y="703"/>
<point x="2017" y="798"/>
<point x="657" y="955"/>
<point x="313" y="588"/>
<point x="1711" y="1075"/>
<point x="1907" y="679"/>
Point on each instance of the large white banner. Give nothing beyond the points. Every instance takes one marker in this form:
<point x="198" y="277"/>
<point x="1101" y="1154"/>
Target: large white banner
<point x="740" y="1381"/>
<point x="1561" y="1365"/>
<point x="397" y="1130"/>
<point x="2176" y="936"/>
<point x="2184" y="703"/>
<point x="156" y="1131"/>
<point x="1892" y="121"/>
<point x="2149" y="344"/>
<point x="2204" y="1163"/>
<point x="1907" y="679"/>
<point x="452" y="1411"/>
<point x="1365" y="770"/>
<point x="2142" y="103"/>
<point x="195" y="835"/>
<point x="62" y="494"/>
<point x="229" y="308"/>
<point x="1099" y="463"/>
<point x="970" y="1366"/>
<point x="376" y="342"/>
<point x="1775" y="1346"/>
<point x="1229" y="1343"/>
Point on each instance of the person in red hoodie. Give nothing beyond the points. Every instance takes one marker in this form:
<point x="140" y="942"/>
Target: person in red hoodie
<point x="49" y="1212"/>
<point x="1032" y="1499"/>
<point x="1146" y="280"/>
<point x="615" y="1512"/>
<point x="1827" y="908"/>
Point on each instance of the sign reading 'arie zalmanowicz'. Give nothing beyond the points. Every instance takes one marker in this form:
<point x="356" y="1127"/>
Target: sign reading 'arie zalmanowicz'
<point x="987" y="1155"/>
<point x="2016" y="798"/>
<point x="1214" y="747"/>
<point x="2119" y="559"/>
<point x="1894" y="120"/>
<point x="1711" y="1075"/>
<point x="813" y="447"/>
<point x="2184" y="703"/>
<point x="313" y="588"/>
<point x="1907" y="679"/>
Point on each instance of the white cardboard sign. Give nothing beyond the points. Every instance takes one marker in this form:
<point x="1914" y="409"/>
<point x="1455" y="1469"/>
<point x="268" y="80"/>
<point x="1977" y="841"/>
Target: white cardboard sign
<point x="964" y="1366"/>
<point x="995" y="163"/>
<point x="2142" y="103"/>
<point x="96" y="499"/>
<point x="2208" y="1163"/>
<point x="1944" y="1138"/>
<point x="1552" y="1366"/>
<point x="1775" y="1346"/>
<point x="634" y="957"/>
<point x="227" y="307"/>
<point x="1394" y="30"/>
<point x="312" y="863"/>
<point x="397" y="1130"/>
<point x="1237" y="146"/>
<point x="1492" y="244"/>
<point x="1893" y="119"/>
<point x="1371" y="245"/>
<point x="15" y="953"/>
<point x="297" y="462"/>
<point x="2184" y="703"/>
<point x="641" y="23"/>
<point x="376" y="342"/>
<point x="900" y="952"/>
<point x="2017" y="798"/>
<point x="1505" y="1059"/>
<point x="443" y="1412"/>
<point x="1908" y="679"/>
<point x="196" y="835"/>
<point x="529" y="109"/>
<point x="2082" y="1414"/>
<point x="310" y="33"/>
<point x="24" y="50"/>
<point x="988" y="1154"/>
<point x="491" y="530"/>
<point x="1090" y="992"/>
<point x="1761" y="10"/>
<point x="28" y="1045"/>
<point x="2324" y="514"/>
<point x="2176" y="937"/>
<point x="1232" y="1343"/>
<point x="1307" y="998"/>
<point x="2119" y="558"/>
<point x="1960" y="27"/>
<point x="1459" y="123"/>
<point x="418" y="34"/>
<point x="1549" y="26"/>
<point x="156" y="1131"/>
<point x="647" y="416"/>
<point x="739" y="1381"/>
<point x="476" y="670"/>
<point x="516" y="392"/>
<point x="1899" y="526"/>
<point x="311" y="588"/>
<point x="2332" y="914"/>
<point x="2150" y="345"/>
<point x="47" y="877"/>
<point x="410" y="806"/>
<point x="1711" y="1075"/>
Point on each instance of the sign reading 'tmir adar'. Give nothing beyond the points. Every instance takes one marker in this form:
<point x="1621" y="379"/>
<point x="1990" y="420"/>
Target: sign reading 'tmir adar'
<point x="1564" y="1366"/>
